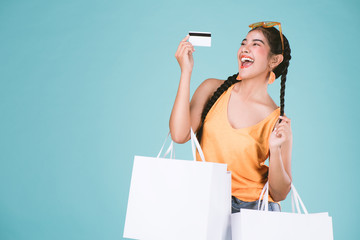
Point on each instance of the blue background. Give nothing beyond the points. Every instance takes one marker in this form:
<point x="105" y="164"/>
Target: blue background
<point x="86" y="85"/>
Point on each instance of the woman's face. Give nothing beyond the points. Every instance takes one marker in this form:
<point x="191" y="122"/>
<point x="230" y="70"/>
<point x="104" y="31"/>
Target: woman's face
<point x="253" y="55"/>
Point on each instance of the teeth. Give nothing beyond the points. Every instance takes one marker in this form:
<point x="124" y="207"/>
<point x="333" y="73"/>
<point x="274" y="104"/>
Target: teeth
<point x="246" y="59"/>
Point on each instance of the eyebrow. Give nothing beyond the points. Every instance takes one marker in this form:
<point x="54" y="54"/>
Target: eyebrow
<point x="255" y="40"/>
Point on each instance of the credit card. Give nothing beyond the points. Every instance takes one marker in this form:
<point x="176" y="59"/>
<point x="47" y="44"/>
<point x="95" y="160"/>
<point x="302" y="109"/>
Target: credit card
<point x="202" y="39"/>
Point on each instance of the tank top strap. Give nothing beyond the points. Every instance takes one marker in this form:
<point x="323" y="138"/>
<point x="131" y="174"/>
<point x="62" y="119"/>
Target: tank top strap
<point x="221" y="103"/>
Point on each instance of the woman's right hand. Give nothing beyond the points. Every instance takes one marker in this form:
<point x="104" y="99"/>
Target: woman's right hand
<point x="184" y="55"/>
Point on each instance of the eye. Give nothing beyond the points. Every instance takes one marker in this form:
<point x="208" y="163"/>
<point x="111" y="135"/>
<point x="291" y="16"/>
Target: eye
<point x="242" y="43"/>
<point x="256" y="44"/>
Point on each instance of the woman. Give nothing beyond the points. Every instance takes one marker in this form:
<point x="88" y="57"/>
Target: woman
<point x="236" y="120"/>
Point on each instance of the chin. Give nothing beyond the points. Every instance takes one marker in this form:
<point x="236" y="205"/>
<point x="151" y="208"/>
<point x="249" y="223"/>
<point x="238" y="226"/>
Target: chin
<point x="243" y="75"/>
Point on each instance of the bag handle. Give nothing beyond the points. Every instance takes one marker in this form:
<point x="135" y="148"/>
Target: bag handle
<point x="295" y="200"/>
<point x="194" y="145"/>
<point x="295" y="197"/>
<point x="195" y="141"/>
<point x="263" y="206"/>
<point x="170" y="149"/>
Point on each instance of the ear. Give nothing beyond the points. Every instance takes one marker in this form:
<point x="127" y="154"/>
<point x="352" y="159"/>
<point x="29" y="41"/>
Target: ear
<point x="276" y="60"/>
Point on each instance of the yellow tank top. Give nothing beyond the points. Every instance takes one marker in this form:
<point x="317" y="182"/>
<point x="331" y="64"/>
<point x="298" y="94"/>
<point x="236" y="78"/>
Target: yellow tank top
<point x="244" y="150"/>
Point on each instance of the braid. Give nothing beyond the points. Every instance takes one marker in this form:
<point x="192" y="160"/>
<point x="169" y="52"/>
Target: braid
<point x="282" y="95"/>
<point x="273" y="36"/>
<point x="284" y="67"/>
<point x="219" y="91"/>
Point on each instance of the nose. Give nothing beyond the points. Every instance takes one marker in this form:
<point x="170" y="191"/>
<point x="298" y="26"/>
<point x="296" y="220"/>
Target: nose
<point x="244" y="49"/>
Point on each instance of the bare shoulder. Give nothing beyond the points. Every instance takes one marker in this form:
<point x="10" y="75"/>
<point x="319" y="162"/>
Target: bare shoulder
<point x="209" y="86"/>
<point x="203" y="93"/>
<point x="267" y="107"/>
<point x="212" y="82"/>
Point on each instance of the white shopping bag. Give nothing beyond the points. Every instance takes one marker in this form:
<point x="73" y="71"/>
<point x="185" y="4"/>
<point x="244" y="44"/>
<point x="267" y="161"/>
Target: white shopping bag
<point x="251" y="224"/>
<point x="178" y="199"/>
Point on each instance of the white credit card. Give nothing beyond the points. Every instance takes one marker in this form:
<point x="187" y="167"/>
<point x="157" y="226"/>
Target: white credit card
<point x="202" y="39"/>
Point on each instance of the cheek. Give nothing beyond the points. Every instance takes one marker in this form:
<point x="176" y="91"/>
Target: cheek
<point x="262" y="56"/>
<point x="238" y="53"/>
<point x="262" y="51"/>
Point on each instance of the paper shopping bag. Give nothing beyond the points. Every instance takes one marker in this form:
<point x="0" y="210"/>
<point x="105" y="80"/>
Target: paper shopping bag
<point x="251" y="224"/>
<point x="178" y="199"/>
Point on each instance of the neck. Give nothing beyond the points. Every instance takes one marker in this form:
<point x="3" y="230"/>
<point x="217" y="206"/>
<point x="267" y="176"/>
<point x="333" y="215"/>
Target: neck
<point x="252" y="88"/>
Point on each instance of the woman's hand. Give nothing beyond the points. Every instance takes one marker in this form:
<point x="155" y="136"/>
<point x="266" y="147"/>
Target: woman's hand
<point x="282" y="133"/>
<point x="184" y="55"/>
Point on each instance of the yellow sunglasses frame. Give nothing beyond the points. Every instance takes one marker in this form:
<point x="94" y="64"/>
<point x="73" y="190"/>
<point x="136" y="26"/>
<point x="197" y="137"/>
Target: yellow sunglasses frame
<point x="268" y="24"/>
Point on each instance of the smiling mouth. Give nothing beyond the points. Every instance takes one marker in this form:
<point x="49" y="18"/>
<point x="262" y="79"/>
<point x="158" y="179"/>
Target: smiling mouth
<point x="246" y="62"/>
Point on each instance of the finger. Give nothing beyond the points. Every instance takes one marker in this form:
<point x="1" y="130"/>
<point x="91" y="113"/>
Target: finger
<point x="192" y="48"/>
<point x="276" y="124"/>
<point x="283" y="118"/>
<point x="181" y="44"/>
<point x="181" y="52"/>
<point x="280" y="128"/>
<point x="286" y="119"/>
<point x="285" y="128"/>
<point x="190" y="44"/>
<point x="185" y="51"/>
<point x="178" y="50"/>
<point x="182" y="47"/>
<point x="188" y="49"/>
<point x="187" y="44"/>
<point x="277" y="132"/>
<point x="186" y="38"/>
<point x="283" y="124"/>
<point x="280" y="133"/>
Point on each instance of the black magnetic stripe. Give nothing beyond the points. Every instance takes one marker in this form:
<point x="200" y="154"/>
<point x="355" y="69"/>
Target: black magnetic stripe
<point x="200" y="34"/>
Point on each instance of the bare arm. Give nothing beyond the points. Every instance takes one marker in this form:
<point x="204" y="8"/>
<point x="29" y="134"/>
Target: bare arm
<point x="187" y="114"/>
<point x="180" y="120"/>
<point x="280" y="143"/>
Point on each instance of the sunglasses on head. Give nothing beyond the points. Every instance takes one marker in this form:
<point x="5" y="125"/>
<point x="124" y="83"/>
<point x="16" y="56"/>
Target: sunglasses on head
<point x="269" y="24"/>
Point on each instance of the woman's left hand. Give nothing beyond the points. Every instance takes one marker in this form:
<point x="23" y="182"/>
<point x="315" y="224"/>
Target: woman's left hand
<point x="281" y="134"/>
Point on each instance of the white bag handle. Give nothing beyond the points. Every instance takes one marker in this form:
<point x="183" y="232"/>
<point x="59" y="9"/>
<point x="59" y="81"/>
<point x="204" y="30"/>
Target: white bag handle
<point x="170" y="148"/>
<point x="264" y="207"/>
<point x="195" y="140"/>
<point x="295" y="199"/>
<point x="194" y="145"/>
